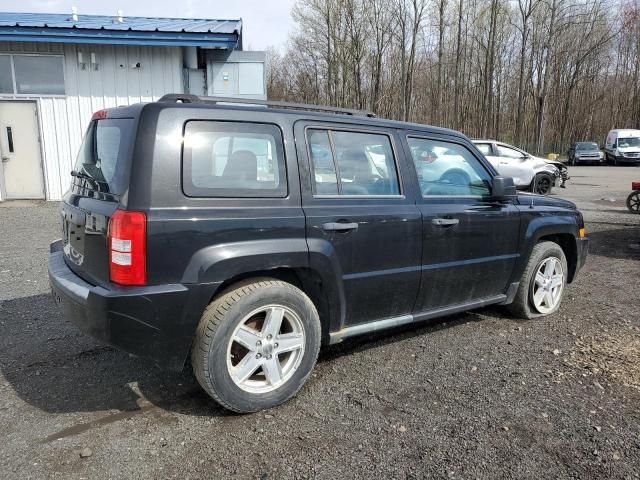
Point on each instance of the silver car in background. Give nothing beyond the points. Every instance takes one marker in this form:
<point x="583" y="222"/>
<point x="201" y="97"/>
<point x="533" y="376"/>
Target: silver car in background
<point x="531" y="173"/>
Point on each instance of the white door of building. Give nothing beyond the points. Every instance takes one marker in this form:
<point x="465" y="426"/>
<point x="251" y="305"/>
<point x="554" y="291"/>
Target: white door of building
<point x="20" y="150"/>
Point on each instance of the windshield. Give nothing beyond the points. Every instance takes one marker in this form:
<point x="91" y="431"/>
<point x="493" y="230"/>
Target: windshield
<point x="103" y="152"/>
<point x="629" y="142"/>
<point x="586" y="146"/>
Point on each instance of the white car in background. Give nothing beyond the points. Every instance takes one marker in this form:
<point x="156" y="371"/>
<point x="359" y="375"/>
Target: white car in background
<point x="530" y="173"/>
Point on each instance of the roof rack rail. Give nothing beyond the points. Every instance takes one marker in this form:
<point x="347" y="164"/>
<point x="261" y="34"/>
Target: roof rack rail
<point x="188" y="98"/>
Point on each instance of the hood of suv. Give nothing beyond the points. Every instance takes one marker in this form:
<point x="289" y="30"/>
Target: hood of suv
<point x="525" y="198"/>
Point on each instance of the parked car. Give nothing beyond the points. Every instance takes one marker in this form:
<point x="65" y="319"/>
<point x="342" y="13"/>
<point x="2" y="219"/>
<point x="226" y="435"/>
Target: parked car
<point x="529" y="173"/>
<point x="201" y="230"/>
<point x="585" y="152"/>
<point x="623" y="147"/>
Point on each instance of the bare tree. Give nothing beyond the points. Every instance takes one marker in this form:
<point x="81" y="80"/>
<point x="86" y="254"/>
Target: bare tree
<point x="539" y="73"/>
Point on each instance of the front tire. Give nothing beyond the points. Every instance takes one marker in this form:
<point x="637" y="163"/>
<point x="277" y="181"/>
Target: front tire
<point x="256" y="345"/>
<point x="542" y="184"/>
<point x="542" y="284"/>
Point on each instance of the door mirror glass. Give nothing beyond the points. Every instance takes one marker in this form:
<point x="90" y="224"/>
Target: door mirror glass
<point x="503" y="188"/>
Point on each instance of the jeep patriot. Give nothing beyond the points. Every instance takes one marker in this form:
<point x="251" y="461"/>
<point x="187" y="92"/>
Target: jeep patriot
<point x="240" y="236"/>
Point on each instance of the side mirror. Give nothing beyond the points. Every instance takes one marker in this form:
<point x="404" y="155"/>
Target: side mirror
<point x="503" y="188"/>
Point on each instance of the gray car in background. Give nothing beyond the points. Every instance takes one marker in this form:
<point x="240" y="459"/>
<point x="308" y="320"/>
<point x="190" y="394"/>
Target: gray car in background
<point x="585" y="152"/>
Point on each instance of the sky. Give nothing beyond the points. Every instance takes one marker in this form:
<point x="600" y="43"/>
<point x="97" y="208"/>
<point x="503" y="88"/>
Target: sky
<point x="265" y="22"/>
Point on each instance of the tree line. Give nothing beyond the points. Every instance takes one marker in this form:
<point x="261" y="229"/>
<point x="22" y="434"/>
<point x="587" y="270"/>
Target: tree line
<point x="536" y="73"/>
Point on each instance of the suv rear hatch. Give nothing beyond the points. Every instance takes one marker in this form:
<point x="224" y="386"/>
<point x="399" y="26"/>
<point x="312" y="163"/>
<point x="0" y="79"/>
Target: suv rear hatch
<point x="99" y="179"/>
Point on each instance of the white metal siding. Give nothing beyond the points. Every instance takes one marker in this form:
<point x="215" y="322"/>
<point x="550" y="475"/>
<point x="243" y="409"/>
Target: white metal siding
<point x="63" y="119"/>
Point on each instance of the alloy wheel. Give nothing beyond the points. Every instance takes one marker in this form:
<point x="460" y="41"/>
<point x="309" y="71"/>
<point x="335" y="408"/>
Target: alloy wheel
<point x="543" y="185"/>
<point x="266" y="349"/>
<point x="548" y="284"/>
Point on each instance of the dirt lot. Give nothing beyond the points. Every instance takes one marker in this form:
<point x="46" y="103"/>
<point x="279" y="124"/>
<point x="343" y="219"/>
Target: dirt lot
<point x="477" y="395"/>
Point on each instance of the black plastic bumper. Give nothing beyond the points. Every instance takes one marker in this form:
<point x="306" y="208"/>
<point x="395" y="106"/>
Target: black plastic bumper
<point x="583" y="249"/>
<point x="155" y="322"/>
<point x="628" y="160"/>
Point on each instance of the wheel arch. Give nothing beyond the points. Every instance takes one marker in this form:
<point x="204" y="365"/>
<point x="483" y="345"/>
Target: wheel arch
<point x="560" y="227"/>
<point x="306" y="279"/>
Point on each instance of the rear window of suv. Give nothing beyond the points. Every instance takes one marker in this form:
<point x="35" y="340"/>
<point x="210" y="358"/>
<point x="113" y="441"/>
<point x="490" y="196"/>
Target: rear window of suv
<point x="228" y="159"/>
<point x="104" y="155"/>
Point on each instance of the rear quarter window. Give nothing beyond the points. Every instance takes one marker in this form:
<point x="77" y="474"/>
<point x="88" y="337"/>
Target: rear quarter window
<point x="227" y="159"/>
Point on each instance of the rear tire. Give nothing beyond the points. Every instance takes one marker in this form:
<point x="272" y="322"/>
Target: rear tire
<point x="256" y="345"/>
<point x="536" y="279"/>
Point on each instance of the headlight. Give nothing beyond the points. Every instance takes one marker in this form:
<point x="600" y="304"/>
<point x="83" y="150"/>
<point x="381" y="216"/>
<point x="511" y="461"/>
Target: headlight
<point x="601" y="155"/>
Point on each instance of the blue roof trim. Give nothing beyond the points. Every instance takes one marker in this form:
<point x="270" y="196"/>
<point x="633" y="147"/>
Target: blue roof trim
<point x="97" y="29"/>
<point x="55" y="35"/>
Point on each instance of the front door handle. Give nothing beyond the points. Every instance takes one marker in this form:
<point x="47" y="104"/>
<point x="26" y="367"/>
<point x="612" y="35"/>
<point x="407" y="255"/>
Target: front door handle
<point x="445" y="222"/>
<point x="5" y="159"/>
<point x="339" y="227"/>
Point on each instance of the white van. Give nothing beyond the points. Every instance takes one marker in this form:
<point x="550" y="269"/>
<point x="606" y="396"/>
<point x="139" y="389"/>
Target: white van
<point x="623" y="146"/>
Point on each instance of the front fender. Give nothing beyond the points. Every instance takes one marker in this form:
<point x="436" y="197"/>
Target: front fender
<point x="541" y="222"/>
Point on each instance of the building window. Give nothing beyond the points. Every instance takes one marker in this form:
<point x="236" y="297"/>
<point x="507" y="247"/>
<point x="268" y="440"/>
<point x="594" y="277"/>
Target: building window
<point x="6" y="79"/>
<point x="38" y="75"/>
<point x="33" y="74"/>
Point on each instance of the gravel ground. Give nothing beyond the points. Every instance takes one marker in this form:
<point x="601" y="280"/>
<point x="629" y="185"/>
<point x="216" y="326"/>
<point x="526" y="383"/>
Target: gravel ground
<point x="477" y="395"/>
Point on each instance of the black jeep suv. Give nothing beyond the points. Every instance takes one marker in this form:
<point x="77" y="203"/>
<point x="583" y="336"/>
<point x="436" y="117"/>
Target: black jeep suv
<point x="242" y="237"/>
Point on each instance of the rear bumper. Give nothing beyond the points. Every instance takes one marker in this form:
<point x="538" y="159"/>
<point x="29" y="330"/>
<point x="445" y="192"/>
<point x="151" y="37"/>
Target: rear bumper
<point x="155" y="322"/>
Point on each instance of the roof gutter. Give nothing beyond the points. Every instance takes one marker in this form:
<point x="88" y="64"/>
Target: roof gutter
<point x="118" y="37"/>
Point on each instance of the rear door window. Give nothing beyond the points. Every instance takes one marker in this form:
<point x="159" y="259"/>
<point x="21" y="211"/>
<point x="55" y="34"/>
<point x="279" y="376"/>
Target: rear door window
<point x="104" y="155"/>
<point x="352" y="163"/>
<point x="227" y="159"/>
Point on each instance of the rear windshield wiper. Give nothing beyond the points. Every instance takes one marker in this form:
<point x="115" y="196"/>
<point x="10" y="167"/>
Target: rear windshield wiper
<point x="77" y="174"/>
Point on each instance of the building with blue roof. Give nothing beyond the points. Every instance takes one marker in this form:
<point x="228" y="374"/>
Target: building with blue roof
<point x="56" y="70"/>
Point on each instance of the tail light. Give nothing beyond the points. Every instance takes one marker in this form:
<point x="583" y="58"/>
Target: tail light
<point x="99" y="115"/>
<point x="127" y="240"/>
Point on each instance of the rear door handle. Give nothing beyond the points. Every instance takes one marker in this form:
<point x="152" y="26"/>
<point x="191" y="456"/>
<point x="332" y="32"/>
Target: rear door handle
<point x="339" y="226"/>
<point x="445" y="222"/>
